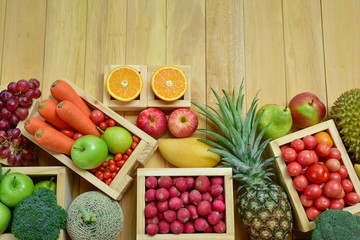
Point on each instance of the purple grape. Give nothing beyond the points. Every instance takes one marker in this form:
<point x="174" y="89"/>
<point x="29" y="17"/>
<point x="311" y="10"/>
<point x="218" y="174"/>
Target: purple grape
<point x="5" y="113"/>
<point x="37" y="93"/>
<point x="11" y="158"/>
<point x="27" y="154"/>
<point x="24" y="141"/>
<point x="2" y="104"/>
<point x="25" y="162"/>
<point x="16" y="141"/>
<point x="25" y="101"/>
<point x="32" y="85"/>
<point x="9" y="133"/>
<point x="16" y="98"/>
<point x="6" y="144"/>
<point x="7" y="96"/>
<point x="5" y="152"/>
<point x="35" y="81"/>
<point x="2" y="139"/>
<point x="12" y="87"/>
<point x="16" y="132"/>
<point x="22" y="113"/>
<point x="12" y="105"/>
<point x="22" y="85"/>
<point x="13" y="120"/>
<point x="17" y="160"/>
<point x="30" y="93"/>
<point x="4" y="124"/>
<point x="2" y="133"/>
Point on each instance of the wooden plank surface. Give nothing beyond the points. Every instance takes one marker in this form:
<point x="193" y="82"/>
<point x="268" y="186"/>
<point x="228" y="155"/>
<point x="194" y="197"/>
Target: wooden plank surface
<point x="280" y="47"/>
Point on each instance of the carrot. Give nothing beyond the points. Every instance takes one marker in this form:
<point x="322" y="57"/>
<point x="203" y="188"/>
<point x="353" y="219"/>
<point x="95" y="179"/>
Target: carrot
<point x="52" y="139"/>
<point x="32" y="124"/>
<point x="72" y="115"/>
<point x="61" y="91"/>
<point x="47" y="109"/>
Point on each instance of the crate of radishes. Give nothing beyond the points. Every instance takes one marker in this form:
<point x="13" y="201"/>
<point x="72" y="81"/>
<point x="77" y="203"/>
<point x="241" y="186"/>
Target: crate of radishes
<point x="316" y="171"/>
<point x="185" y="203"/>
<point x="89" y="138"/>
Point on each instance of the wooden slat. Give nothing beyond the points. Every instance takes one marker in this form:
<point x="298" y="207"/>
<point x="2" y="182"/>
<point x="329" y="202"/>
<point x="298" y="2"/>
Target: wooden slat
<point x="2" y="31"/>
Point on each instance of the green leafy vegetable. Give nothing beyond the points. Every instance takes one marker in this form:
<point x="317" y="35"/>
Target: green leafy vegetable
<point x="3" y="175"/>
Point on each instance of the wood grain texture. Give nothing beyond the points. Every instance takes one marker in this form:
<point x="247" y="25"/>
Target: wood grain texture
<point x="2" y="31"/>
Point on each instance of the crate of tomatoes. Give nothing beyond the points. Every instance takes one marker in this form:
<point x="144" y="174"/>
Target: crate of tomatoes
<point x="317" y="173"/>
<point x="89" y="138"/>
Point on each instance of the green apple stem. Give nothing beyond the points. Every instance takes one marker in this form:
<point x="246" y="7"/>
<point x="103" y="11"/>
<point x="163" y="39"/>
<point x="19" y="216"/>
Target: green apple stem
<point x="51" y="181"/>
<point x="14" y="185"/>
<point x="100" y="129"/>
<point x="87" y="217"/>
<point x="285" y="109"/>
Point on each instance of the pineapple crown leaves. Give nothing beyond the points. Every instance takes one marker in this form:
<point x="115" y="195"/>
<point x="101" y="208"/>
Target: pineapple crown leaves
<point x="240" y="147"/>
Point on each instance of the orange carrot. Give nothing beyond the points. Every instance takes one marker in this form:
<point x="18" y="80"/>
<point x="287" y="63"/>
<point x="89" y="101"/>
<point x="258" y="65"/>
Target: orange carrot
<point x="52" y="139"/>
<point x="32" y="124"/>
<point x="61" y="91"/>
<point x="72" y="115"/>
<point x="47" y="109"/>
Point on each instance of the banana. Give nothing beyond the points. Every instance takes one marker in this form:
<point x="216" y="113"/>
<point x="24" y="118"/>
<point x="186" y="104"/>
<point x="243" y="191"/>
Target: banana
<point x="357" y="169"/>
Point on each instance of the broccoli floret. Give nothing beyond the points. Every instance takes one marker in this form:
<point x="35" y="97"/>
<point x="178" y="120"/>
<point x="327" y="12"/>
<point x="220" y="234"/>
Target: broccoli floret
<point x="336" y="225"/>
<point x="38" y="217"/>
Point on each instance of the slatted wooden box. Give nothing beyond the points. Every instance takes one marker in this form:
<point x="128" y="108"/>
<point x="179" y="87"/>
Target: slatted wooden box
<point x="302" y="223"/>
<point x="185" y="172"/>
<point x="63" y="188"/>
<point x="144" y="150"/>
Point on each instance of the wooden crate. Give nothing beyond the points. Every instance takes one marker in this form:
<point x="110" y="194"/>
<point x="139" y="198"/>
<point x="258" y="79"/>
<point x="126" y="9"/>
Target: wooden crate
<point x="302" y="223"/>
<point x="229" y="202"/>
<point x="63" y="188"/>
<point x="185" y="101"/>
<point x="135" y="105"/>
<point x="144" y="150"/>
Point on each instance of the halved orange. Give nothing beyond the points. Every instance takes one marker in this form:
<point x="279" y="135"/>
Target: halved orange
<point x="169" y="83"/>
<point x="124" y="83"/>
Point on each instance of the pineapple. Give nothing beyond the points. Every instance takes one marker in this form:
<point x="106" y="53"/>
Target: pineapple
<point x="263" y="206"/>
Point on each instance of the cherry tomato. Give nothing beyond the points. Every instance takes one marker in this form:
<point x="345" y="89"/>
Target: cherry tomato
<point x="300" y="182"/>
<point x="136" y="139"/>
<point x="93" y="170"/>
<point x="351" y="198"/>
<point x="334" y="153"/>
<point x="113" y="174"/>
<point x="336" y="204"/>
<point x="305" y="201"/>
<point x="334" y="176"/>
<point x="134" y="145"/>
<point x="312" y="213"/>
<point x="101" y="168"/>
<point x="118" y="157"/>
<point x="297" y="144"/>
<point x="112" y="167"/>
<point x="111" y="161"/>
<point x="323" y="137"/>
<point x="117" y="168"/>
<point x="129" y="152"/>
<point x="111" y="122"/>
<point x="322" y="202"/>
<point x="97" y="116"/>
<point x="313" y="191"/>
<point x="101" y="176"/>
<point x="125" y="157"/>
<point x="347" y="185"/>
<point x="107" y="174"/>
<point x="283" y="147"/>
<point x="289" y="155"/>
<point x="98" y="173"/>
<point x="68" y="132"/>
<point x="103" y="126"/>
<point x="332" y="164"/>
<point x="309" y="142"/>
<point x="108" y="181"/>
<point x="294" y="169"/>
<point x="105" y="164"/>
<point x="323" y="149"/>
<point x="342" y="171"/>
<point x="305" y="158"/>
<point x="120" y="163"/>
<point x="317" y="173"/>
<point x="77" y="135"/>
<point x="332" y="189"/>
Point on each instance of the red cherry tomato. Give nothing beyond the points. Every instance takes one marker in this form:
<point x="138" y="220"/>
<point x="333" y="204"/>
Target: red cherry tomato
<point x="351" y="198"/>
<point x="309" y="142"/>
<point x="347" y="185"/>
<point x="305" y="201"/>
<point x="289" y="155"/>
<point x="136" y="139"/>
<point x="315" y="156"/>
<point x="323" y="149"/>
<point x="317" y="173"/>
<point x="111" y="122"/>
<point x="336" y="204"/>
<point x="97" y="116"/>
<point x="107" y="174"/>
<point x="129" y="152"/>
<point x="93" y="170"/>
<point x="77" y="135"/>
<point x="134" y="145"/>
<point x="97" y="173"/>
<point x="300" y="182"/>
<point x="303" y="171"/>
<point x="113" y="174"/>
<point x="312" y="213"/>
<point x="341" y="195"/>
<point x="118" y="157"/>
<point x="313" y="191"/>
<point x="108" y="181"/>
<point x="332" y="189"/>
<point x="101" y="168"/>
<point x="294" y="169"/>
<point x="332" y="164"/>
<point x="334" y="176"/>
<point x="343" y="172"/>
<point x="125" y="157"/>
<point x="111" y="161"/>
<point x="305" y="157"/>
<point x="105" y="164"/>
<point x="68" y="132"/>
<point x="112" y="167"/>
<point x="322" y="202"/>
<point x="101" y="176"/>
<point x="103" y="126"/>
<point x="297" y="144"/>
<point x="334" y="153"/>
<point x="120" y="163"/>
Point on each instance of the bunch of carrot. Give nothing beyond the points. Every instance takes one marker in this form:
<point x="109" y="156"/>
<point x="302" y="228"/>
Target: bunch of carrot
<point x="71" y="114"/>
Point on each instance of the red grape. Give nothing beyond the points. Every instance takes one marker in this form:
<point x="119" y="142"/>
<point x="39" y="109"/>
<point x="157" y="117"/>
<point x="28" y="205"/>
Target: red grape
<point x="22" y="85"/>
<point x="35" y="81"/>
<point x="12" y="87"/>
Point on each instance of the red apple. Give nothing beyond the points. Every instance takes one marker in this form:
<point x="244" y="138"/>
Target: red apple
<point x="182" y="122"/>
<point x="152" y="121"/>
<point x="306" y="109"/>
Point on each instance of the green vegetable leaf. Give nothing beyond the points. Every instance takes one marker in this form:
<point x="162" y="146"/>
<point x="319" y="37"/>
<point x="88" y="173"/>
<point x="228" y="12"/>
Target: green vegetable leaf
<point x="3" y="175"/>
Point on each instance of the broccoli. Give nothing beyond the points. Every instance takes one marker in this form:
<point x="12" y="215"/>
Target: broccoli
<point x="336" y="225"/>
<point x="38" y="217"/>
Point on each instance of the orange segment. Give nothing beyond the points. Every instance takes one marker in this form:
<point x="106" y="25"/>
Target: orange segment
<point x="124" y="83"/>
<point x="169" y="83"/>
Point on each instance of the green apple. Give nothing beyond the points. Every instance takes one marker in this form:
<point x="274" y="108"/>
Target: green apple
<point x="5" y="217"/>
<point x="14" y="187"/>
<point x="89" y="152"/>
<point x="118" y="139"/>
<point x="50" y="184"/>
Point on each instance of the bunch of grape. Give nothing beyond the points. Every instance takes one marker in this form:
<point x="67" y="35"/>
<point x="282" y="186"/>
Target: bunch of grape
<point x="15" y="102"/>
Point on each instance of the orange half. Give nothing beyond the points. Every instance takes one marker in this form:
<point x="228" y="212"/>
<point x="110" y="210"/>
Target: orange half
<point x="124" y="83"/>
<point x="169" y="83"/>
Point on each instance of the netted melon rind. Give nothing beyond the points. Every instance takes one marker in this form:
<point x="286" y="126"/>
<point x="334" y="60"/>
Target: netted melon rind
<point x="109" y="217"/>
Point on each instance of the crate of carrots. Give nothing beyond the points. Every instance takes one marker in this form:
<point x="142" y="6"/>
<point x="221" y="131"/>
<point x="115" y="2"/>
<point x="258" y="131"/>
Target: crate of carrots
<point x="89" y="138"/>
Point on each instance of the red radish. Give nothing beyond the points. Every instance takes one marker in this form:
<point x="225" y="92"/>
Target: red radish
<point x="162" y="206"/>
<point x="175" y="203"/>
<point x="152" y="229"/>
<point x="173" y="192"/>
<point x="193" y="211"/>
<point x="209" y="229"/>
<point x="165" y="182"/>
<point x="181" y="184"/>
<point x="150" y="211"/>
<point x="200" y="224"/>
<point x="203" y="208"/>
<point x="216" y="190"/>
<point x="164" y="227"/>
<point x="202" y="184"/>
<point x="184" y="196"/>
<point x="174" y="179"/>
<point x="195" y="197"/>
<point x="147" y="221"/>
<point x="190" y="182"/>
<point x="150" y="195"/>
<point x="150" y="203"/>
<point x="170" y="216"/>
<point x="207" y="197"/>
<point x="217" y="180"/>
<point x="220" y="197"/>
<point x="218" y="206"/>
<point x="220" y="227"/>
<point x="160" y="216"/>
<point x="177" y="227"/>
<point x="183" y="215"/>
<point x="189" y="227"/>
<point x="162" y="194"/>
<point x="97" y="116"/>
<point x="154" y="220"/>
<point x="213" y="218"/>
<point x="222" y="215"/>
<point x="151" y="182"/>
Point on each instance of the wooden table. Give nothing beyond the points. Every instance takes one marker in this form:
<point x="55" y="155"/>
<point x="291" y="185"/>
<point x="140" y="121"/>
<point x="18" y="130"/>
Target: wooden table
<point x="280" y="47"/>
